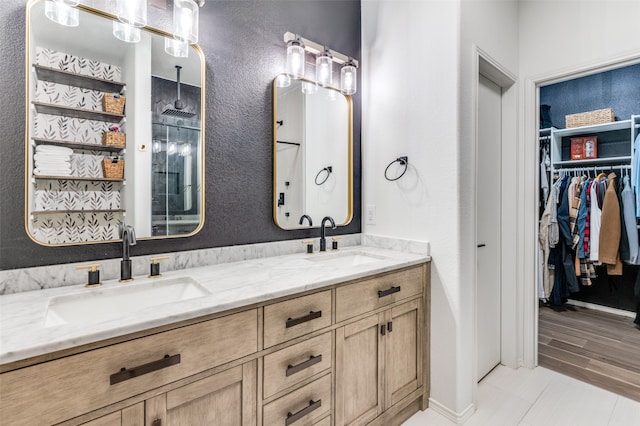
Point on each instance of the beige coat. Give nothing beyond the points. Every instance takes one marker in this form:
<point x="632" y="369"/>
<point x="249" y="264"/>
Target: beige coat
<point x="610" y="229"/>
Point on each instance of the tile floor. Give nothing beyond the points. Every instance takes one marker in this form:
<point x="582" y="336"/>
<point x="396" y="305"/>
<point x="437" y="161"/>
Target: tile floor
<point x="540" y="397"/>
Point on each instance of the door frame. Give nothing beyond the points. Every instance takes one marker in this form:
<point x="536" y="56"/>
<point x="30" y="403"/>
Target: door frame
<point x="528" y="248"/>
<point x="484" y="64"/>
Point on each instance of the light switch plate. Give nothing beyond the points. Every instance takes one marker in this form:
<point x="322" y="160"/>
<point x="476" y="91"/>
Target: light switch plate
<point x="370" y="214"/>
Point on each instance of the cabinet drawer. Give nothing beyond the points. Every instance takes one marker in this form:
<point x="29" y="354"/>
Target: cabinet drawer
<point x="58" y="390"/>
<point x="364" y="296"/>
<point x="301" y="407"/>
<point x="292" y="318"/>
<point x="293" y="364"/>
<point x="324" y="422"/>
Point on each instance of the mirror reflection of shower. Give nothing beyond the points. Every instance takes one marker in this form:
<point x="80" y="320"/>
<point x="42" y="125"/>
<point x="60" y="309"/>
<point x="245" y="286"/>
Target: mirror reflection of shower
<point x="176" y="166"/>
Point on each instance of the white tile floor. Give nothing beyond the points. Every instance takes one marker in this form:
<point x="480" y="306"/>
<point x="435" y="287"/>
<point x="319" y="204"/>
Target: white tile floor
<point x="540" y="397"/>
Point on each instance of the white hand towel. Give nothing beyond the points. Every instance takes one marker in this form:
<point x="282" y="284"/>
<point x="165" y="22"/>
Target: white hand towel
<point x="39" y="172"/>
<point x="47" y="157"/>
<point x="54" y="149"/>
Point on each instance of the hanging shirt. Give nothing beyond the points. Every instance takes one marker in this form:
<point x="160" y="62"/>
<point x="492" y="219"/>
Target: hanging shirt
<point x="582" y="218"/>
<point x="636" y="172"/>
<point x="628" y="210"/>
<point x="596" y="218"/>
<point x="544" y="182"/>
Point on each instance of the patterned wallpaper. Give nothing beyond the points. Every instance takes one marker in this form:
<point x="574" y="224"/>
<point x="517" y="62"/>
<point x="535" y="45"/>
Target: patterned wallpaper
<point x="56" y="201"/>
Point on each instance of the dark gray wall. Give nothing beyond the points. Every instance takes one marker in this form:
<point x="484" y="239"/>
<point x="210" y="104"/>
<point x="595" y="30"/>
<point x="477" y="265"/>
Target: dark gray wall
<point x="618" y="89"/>
<point x="244" y="50"/>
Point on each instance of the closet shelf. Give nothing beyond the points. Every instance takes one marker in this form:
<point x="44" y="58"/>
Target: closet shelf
<point x="84" y="178"/>
<point x="79" y="80"/>
<point x="594" y="161"/>
<point x="596" y="128"/>
<point x="88" y="114"/>
<point x="47" y="212"/>
<point x="77" y="145"/>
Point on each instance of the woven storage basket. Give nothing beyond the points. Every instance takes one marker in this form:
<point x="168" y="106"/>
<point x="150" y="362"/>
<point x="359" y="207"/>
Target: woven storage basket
<point x="113" y="168"/>
<point x="116" y="139"/>
<point x="589" y="118"/>
<point x="113" y="104"/>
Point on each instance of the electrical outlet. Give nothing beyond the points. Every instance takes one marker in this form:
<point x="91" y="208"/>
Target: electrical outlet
<point x="370" y="214"/>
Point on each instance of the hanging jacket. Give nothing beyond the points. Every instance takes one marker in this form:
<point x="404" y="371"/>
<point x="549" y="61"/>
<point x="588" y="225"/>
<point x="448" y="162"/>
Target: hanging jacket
<point x="628" y="209"/>
<point x="596" y="214"/>
<point x="582" y="218"/>
<point x="610" y="229"/>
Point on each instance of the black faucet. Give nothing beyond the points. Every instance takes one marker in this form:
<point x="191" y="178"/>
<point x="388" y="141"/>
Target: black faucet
<point x="303" y="217"/>
<point x="323" y="241"/>
<point x="128" y="236"/>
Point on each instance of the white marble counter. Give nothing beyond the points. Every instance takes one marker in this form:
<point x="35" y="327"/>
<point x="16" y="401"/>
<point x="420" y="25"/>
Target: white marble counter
<point x="232" y="285"/>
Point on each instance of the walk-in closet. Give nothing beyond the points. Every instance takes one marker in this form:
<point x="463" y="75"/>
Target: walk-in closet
<point x="589" y="218"/>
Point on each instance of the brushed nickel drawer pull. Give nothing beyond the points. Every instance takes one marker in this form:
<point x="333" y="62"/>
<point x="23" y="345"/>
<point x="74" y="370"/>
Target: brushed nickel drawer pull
<point x="313" y="360"/>
<point x="383" y="293"/>
<point x="292" y="418"/>
<point x="126" y="374"/>
<point x="295" y="321"/>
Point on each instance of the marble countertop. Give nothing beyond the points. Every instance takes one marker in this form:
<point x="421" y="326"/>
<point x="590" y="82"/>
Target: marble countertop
<point x="232" y="285"/>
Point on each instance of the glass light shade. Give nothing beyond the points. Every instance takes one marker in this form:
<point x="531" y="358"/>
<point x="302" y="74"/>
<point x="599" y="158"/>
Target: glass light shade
<point x="185" y="21"/>
<point x="348" y="79"/>
<point x="125" y="32"/>
<point x="295" y="59"/>
<point x="309" y="88"/>
<point x="62" y="12"/>
<point x="324" y="69"/>
<point x="176" y="48"/>
<point x="283" y="80"/>
<point x="132" y="12"/>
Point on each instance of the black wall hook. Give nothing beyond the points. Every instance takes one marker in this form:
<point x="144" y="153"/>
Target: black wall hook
<point x="404" y="161"/>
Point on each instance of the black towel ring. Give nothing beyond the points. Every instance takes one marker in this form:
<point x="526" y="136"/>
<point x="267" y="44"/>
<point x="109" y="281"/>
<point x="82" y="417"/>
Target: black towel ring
<point x="327" y="169"/>
<point x="404" y="161"/>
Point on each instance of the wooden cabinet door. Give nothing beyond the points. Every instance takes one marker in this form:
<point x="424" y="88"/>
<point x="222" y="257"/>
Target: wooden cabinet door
<point x="403" y="347"/>
<point x="130" y="416"/>
<point x="359" y="371"/>
<point x="224" y="399"/>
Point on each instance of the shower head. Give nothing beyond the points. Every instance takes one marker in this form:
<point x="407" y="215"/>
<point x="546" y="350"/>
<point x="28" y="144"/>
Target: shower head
<point x="179" y="106"/>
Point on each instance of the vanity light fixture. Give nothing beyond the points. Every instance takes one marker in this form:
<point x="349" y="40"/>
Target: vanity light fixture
<point x="283" y="80"/>
<point x="348" y="78"/>
<point x="324" y="68"/>
<point x="296" y="48"/>
<point x="126" y="32"/>
<point x="185" y="21"/>
<point x="62" y="12"/>
<point x="176" y="48"/>
<point x="132" y="12"/>
<point x="295" y="57"/>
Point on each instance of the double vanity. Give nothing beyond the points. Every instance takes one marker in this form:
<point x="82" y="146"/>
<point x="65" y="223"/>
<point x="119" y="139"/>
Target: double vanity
<point x="331" y="338"/>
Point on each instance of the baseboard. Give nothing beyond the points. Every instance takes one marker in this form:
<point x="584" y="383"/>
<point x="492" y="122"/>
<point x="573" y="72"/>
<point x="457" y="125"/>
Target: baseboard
<point x="601" y="308"/>
<point x="457" y="418"/>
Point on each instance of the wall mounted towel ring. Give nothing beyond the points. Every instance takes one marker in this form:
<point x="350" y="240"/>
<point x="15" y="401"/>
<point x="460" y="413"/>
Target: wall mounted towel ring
<point x="404" y="161"/>
<point x="328" y="171"/>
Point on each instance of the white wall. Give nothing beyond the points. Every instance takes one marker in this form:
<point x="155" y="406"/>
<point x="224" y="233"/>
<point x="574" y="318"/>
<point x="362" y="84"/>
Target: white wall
<point x="419" y="91"/>
<point x="410" y="97"/>
<point x="581" y="35"/>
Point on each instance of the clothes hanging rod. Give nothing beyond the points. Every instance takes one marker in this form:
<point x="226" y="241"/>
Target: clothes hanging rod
<point x="317" y="48"/>
<point x="593" y="168"/>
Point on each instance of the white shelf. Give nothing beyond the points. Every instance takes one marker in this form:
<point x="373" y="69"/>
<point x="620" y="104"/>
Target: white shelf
<point x="596" y="128"/>
<point x="592" y="161"/>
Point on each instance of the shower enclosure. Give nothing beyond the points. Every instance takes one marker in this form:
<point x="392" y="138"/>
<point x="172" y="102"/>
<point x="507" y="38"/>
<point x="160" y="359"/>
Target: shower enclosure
<point x="175" y="175"/>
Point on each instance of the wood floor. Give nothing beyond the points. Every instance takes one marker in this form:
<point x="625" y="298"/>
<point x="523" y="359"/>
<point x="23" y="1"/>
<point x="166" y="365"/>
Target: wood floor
<point x="596" y="347"/>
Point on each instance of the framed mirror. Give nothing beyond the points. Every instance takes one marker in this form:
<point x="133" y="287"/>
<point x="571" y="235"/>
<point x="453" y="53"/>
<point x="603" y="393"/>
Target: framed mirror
<point x="313" y="154"/>
<point x="114" y="132"/>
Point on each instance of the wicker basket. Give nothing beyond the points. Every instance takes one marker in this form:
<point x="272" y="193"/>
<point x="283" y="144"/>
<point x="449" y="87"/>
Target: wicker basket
<point x="115" y="139"/>
<point x="113" y="168"/>
<point x="590" y="118"/>
<point x="113" y="103"/>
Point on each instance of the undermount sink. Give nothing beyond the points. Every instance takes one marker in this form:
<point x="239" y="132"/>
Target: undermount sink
<point x="346" y="259"/>
<point x="98" y="305"/>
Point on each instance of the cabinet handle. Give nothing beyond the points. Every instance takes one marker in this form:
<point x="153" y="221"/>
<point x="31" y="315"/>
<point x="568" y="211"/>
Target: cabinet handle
<point x="156" y="422"/>
<point x="295" y="321"/>
<point x="383" y="331"/>
<point x="125" y="374"/>
<point x="292" y="418"/>
<point x="383" y="293"/>
<point x="293" y="369"/>
<point x="390" y="326"/>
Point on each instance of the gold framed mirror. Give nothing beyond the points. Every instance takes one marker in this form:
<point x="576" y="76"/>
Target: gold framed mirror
<point x="114" y="132"/>
<point x="313" y="154"/>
